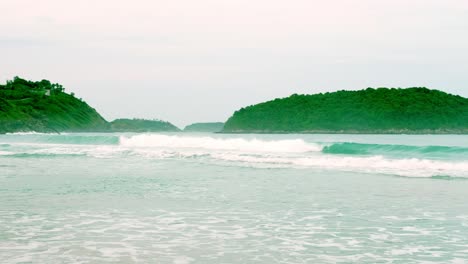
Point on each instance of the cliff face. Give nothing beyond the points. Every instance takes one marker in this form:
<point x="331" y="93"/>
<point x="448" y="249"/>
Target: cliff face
<point x="383" y="110"/>
<point x="44" y="107"/>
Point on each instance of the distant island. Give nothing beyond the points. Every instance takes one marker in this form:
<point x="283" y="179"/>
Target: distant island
<point x="384" y="110"/>
<point x="205" y="127"/>
<point x="43" y="106"/>
<point x="141" y="125"/>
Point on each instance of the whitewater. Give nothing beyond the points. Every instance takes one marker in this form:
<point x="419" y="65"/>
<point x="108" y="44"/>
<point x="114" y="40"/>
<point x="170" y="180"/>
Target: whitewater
<point x="228" y="198"/>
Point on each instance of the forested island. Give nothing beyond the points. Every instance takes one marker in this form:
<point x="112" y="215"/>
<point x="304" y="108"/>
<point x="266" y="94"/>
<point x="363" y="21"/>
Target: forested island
<point x="43" y="106"/>
<point x="384" y="110"/>
<point x="141" y="125"/>
<point x="210" y="127"/>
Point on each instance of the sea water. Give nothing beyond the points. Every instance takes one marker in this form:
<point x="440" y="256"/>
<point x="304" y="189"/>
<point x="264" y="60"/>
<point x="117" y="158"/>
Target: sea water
<point x="217" y="198"/>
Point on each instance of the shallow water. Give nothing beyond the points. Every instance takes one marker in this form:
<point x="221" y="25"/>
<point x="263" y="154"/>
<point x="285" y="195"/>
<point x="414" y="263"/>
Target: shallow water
<point x="212" y="198"/>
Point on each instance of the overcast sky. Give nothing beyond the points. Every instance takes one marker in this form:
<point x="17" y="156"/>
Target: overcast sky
<point x="190" y="61"/>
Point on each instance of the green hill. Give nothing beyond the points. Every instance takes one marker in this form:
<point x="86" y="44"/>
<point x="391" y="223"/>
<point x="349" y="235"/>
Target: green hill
<point x="44" y="107"/>
<point x="205" y="127"/>
<point x="142" y="125"/>
<point x="382" y="110"/>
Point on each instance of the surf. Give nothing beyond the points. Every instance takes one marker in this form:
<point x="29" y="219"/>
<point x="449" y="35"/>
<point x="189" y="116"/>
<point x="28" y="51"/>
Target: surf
<point x="350" y="148"/>
<point x="212" y="143"/>
<point x="256" y="152"/>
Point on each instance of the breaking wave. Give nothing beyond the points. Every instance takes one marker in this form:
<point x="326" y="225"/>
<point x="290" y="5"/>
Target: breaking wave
<point x="411" y="167"/>
<point x="402" y="160"/>
<point x="368" y="149"/>
<point x="238" y="144"/>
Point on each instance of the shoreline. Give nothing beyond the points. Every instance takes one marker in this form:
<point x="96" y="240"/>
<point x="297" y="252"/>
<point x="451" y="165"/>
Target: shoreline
<point x="353" y="132"/>
<point x="240" y="132"/>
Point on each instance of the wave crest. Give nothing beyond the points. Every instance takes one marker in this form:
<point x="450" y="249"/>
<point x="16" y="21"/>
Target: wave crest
<point x="364" y="149"/>
<point x="211" y="143"/>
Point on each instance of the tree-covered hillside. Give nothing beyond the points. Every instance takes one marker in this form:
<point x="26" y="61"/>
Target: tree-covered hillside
<point x="142" y="125"/>
<point x="204" y="127"/>
<point x="382" y="110"/>
<point x="44" y="107"/>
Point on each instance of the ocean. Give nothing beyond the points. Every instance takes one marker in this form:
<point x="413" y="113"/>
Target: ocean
<point x="229" y="198"/>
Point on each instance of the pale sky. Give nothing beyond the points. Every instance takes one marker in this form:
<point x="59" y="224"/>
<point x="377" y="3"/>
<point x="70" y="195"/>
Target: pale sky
<point x="197" y="61"/>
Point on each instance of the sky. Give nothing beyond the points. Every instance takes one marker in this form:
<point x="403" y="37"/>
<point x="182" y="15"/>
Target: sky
<point x="188" y="61"/>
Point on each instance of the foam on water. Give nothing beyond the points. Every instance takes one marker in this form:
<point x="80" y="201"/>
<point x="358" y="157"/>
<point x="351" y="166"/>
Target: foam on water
<point x="252" y="145"/>
<point x="31" y="133"/>
<point x="376" y="164"/>
<point x="253" y="152"/>
<point x="184" y="198"/>
<point x="225" y="237"/>
<point x="411" y="167"/>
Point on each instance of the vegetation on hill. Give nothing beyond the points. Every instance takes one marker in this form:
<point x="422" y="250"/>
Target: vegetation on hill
<point x="44" y="107"/>
<point x="382" y="110"/>
<point x="142" y="125"/>
<point x="205" y="127"/>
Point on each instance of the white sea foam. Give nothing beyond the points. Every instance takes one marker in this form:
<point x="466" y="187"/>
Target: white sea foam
<point x="376" y="164"/>
<point x="406" y="167"/>
<point x="32" y="133"/>
<point x="284" y="153"/>
<point x="239" y="144"/>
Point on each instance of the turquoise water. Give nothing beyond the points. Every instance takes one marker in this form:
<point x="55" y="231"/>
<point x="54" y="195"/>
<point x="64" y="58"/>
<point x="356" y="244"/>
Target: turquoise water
<point x="212" y="198"/>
